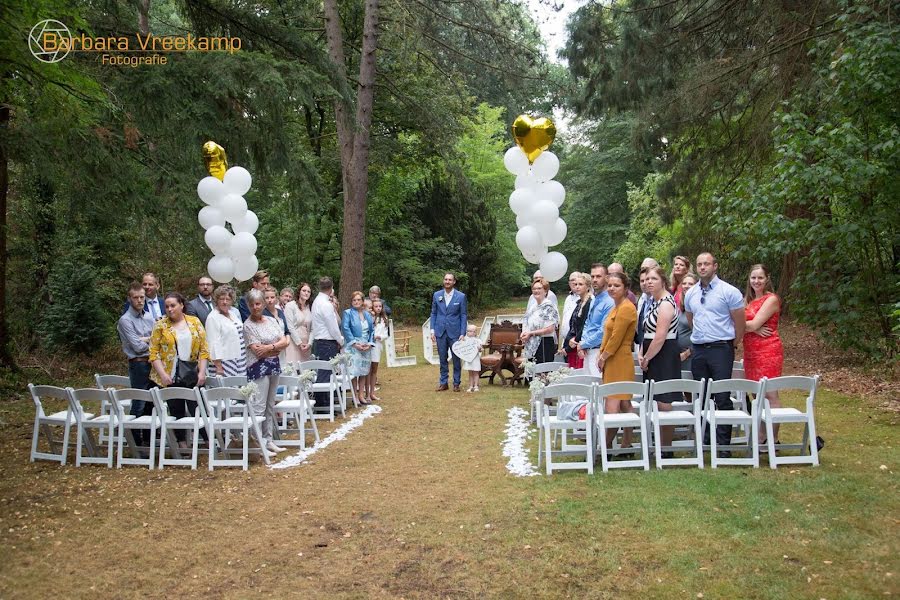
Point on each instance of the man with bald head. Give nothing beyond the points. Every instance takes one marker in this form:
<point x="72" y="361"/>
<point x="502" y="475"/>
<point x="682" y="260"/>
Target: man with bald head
<point x="715" y="311"/>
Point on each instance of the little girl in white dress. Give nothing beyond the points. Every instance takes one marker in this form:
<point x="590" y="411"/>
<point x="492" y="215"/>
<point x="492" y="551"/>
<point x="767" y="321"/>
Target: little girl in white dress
<point x="473" y="366"/>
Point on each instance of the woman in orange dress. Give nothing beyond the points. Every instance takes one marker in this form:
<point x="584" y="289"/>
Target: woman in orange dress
<point x="763" y="351"/>
<point x="615" y="359"/>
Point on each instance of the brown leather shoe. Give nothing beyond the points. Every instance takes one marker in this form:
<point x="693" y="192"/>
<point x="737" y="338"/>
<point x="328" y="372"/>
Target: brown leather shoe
<point x="442" y="388"/>
<point x="455" y="388"/>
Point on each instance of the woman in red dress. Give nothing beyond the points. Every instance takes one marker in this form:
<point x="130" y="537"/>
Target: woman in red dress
<point x="763" y="351"/>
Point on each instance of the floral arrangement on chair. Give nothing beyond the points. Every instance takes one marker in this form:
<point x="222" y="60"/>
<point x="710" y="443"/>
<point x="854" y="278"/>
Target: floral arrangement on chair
<point x="340" y="360"/>
<point x="542" y="380"/>
<point x="288" y="369"/>
<point x="249" y="390"/>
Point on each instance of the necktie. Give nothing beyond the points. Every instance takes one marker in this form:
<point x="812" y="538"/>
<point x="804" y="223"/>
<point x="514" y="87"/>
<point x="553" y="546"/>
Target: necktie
<point x="208" y="305"/>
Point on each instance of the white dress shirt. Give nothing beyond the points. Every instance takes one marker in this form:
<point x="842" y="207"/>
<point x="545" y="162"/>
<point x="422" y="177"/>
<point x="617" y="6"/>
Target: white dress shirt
<point x="222" y="335"/>
<point x="155" y="307"/>
<point x="324" y="320"/>
<point x="568" y="309"/>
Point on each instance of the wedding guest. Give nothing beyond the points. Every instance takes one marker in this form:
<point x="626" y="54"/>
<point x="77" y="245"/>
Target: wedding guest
<point x="260" y="281"/>
<point x="618" y="268"/>
<point x="763" y="350"/>
<point x="273" y="308"/>
<point x="615" y="360"/>
<point x="715" y="311"/>
<point x="153" y="304"/>
<point x="264" y="337"/>
<point x="135" y="328"/>
<point x="568" y="307"/>
<point x="643" y="304"/>
<point x="225" y="335"/>
<point x="284" y="296"/>
<point x="659" y="356"/>
<point x="325" y="332"/>
<point x="532" y="300"/>
<point x="684" y="328"/>
<point x="178" y="337"/>
<point x="298" y="315"/>
<point x="375" y="294"/>
<point x="202" y="305"/>
<point x="358" y="328"/>
<point x="592" y="334"/>
<point x="577" y="320"/>
<point x="382" y="332"/>
<point x="539" y="325"/>
<point x="681" y="266"/>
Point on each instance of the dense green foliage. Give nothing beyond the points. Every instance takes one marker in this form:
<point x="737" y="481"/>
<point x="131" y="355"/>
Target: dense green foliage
<point x="777" y="129"/>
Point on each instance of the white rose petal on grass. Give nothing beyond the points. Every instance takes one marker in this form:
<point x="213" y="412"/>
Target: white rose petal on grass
<point x="338" y="434"/>
<point x="517" y="428"/>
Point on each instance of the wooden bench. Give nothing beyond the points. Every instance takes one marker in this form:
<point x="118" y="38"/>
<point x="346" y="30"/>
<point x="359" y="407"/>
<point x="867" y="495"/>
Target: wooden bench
<point x="503" y="352"/>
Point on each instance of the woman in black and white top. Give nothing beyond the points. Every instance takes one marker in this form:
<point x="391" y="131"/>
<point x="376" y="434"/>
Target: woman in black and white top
<point x="659" y="355"/>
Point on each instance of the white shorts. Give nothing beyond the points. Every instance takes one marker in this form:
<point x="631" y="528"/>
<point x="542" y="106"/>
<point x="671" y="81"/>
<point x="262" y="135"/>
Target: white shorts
<point x="590" y="361"/>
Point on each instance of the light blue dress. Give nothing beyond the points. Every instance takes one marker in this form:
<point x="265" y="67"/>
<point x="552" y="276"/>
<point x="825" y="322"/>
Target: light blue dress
<point x="360" y="360"/>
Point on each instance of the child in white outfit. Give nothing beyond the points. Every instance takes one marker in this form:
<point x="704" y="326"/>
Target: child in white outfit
<point x="473" y="366"/>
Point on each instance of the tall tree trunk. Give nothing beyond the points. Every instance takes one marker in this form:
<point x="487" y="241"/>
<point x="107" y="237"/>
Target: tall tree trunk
<point x="353" y="137"/>
<point x="144" y="17"/>
<point x="6" y="358"/>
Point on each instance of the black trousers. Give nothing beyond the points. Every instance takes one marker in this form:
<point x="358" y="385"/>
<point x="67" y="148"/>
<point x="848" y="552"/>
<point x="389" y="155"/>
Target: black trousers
<point x="139" y="376"/>
<point x="323" y="350"/>
<point x="715" y="361"/>
<point x="184" y="408"/>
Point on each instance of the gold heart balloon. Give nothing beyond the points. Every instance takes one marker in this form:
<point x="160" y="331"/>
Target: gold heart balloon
<point x="214" y="157"/>
<point x="533" y="136"/>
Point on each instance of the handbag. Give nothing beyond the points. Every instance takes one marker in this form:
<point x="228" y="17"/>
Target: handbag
<point x="185" y="373"/>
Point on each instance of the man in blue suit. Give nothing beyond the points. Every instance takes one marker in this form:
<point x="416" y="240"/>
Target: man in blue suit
<point x="448" y="324"/>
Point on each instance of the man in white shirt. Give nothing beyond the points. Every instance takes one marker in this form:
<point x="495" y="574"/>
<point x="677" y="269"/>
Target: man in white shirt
<point x="325" y="333"/>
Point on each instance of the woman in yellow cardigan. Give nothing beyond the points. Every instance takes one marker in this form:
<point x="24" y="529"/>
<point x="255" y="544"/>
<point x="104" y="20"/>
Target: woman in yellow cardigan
<point x="177" y="336"/>
<point x="615" y="360"/>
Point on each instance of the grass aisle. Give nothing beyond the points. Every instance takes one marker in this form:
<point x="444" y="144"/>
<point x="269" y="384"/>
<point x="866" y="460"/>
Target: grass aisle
<point x="417" y="503"/>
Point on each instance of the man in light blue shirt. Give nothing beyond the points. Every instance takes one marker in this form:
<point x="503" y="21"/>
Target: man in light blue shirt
<point x="715" y="310"/>
<point x="601" y="305"/>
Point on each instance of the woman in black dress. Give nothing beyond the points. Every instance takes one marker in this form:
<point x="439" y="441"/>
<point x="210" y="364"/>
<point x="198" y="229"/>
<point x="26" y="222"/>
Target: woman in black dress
<point x="582" y="287"/>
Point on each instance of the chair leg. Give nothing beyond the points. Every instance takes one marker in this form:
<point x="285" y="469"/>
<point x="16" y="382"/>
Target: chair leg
<point x="245" y="448"/>
<point x="152" y="432"/>
<point x="770" y="442"/>
<point x="657" y="446"/>
<point x="698" y="439"/>
<point x="196" y="448"/>
<point x="35" y="435"/>
<point x="813" y="444"/>
<point x="65" y="444"/>
<point x="713" y="446"/>
<point x="79" y="436"/>
<point x="548" y="453"/>
<point x="120" y="443"/>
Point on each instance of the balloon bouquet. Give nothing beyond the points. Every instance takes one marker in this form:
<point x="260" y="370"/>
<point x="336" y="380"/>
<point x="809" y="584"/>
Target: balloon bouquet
<point x="537" y="197"/>
<point x="223" y="191"/>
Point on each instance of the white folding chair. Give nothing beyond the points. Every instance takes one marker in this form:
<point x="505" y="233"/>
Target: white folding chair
<point x="552" y="423"/>
<point x="771" y="416"/>
<point x="127" y="424"/>
<point x="330" y="387"/>
<point x="637" y="421"/>
<point x="43" y="423"/>
<point x="219" y="426"/>
<point x="678" y="417"/>
<point x="105" y="382"/>
<point x="345" y="383"/>
<point x="747" y="420"/>
<point x="83" y="425"/>
<point x="170" y="424"/>
<point x="295" y="403"/>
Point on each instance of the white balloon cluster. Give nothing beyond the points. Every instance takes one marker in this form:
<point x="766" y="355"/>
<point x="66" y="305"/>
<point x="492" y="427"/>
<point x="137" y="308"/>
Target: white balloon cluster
<point x="234" y="251"/>
<point x="535" y="202"/>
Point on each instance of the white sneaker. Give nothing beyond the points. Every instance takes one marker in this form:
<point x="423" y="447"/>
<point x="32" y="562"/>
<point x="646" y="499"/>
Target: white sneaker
<point x="469" y="391"/>
<point x="475" y="389"/>
<point x="271" y="447"/>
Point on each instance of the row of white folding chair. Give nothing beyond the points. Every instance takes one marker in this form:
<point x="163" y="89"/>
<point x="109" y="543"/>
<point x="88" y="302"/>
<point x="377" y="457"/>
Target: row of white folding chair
<point x="551" y="423"/>
<point x="105" y="382"/>
<point x="217" y="405"/>
<point x="787" y="415"/>
<point x="119" y="425"/>
<point x="335" y="387"/>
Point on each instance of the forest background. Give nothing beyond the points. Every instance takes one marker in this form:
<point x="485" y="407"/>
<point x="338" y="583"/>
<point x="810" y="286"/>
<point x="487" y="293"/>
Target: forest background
<point x="764" y="132"/>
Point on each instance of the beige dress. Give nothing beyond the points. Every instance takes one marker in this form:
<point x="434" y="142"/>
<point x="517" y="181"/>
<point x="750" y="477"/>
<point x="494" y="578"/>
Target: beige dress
<point x="299" y="322"/>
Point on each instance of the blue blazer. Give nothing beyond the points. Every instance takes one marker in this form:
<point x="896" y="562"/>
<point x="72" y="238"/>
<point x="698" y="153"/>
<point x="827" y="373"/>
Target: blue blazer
<point x="451" y="319"/>
<point x="351" y="328"/>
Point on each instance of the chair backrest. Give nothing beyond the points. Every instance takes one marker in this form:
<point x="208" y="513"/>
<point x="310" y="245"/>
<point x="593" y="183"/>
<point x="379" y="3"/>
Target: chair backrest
<point x="233" y="381"/>
<point x="670" y="386"/>
<point x="575" y="390"/>
<point x="118" y="397"/>
<point x="112" y="381"/>
<point x="77" y="398"/>
<point x="631" y="388"/>
<point x="290" y="383"/>
<point x="583" y="379"/>
<point x="314" y="365"/>
<point x="793" y="382"/>
<point x="162" y="395"/>
<point x="504" y="334"/>
<point x="46" y="391"/>
<point x="217" y="399"/>
<point x="735" y="385"/>
<point x="548" y="367"/>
